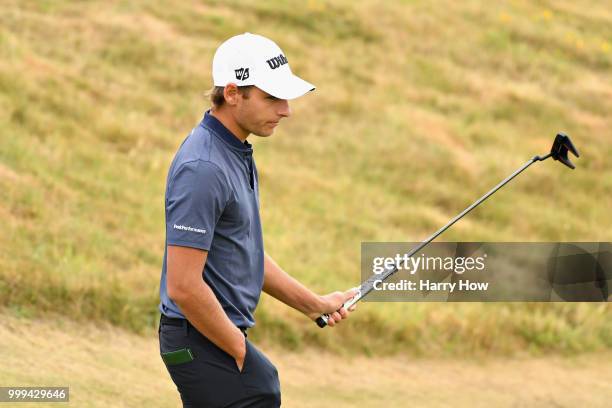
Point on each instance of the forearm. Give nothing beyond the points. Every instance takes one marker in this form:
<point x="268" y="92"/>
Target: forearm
<point x="282" y="286"/>
<point x="203" y="310"/>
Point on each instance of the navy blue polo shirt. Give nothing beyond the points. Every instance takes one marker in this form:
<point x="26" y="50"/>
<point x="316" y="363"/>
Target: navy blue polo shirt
<point x="212" y="203"/>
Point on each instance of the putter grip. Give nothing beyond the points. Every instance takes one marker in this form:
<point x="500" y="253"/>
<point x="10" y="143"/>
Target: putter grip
<point x="321" y="321"/>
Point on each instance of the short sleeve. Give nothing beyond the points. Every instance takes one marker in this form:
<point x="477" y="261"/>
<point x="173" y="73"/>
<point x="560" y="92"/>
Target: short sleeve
<point x="196" y="197"/>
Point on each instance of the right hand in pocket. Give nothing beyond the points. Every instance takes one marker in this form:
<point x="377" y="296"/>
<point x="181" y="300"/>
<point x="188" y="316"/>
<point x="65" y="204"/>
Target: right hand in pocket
<point x="240" y="358"/>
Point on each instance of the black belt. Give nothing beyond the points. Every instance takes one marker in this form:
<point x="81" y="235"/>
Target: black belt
<point x="173" y="321"/>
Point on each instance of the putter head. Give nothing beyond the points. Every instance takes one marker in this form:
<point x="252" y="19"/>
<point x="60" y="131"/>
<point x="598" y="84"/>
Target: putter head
<point x="560" y="147"/>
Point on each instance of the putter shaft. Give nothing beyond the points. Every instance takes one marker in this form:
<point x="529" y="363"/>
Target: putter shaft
<point x="368" y="285"/>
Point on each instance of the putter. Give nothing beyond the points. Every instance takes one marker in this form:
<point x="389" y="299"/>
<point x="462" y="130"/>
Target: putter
<point x="560" y="148"/>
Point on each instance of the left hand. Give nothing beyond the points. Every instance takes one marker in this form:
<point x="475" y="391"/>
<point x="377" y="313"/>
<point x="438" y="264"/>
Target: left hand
<point x="331" y="304"/>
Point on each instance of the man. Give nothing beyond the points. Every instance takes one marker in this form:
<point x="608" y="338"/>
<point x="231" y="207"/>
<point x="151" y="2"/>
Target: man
<point x="214" y="265"/>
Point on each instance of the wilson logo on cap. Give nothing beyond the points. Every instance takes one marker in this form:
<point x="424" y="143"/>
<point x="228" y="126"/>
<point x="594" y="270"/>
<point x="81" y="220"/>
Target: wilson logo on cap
<point x="277" y="61"/>
<point x="250" y="59"/>
<point x="242" y="73"/>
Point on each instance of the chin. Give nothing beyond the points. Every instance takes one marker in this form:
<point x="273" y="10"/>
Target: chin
<point x="264" y="133"/>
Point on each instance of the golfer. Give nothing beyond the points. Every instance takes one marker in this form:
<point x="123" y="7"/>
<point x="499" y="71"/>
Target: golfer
<point x="215" y="266"/>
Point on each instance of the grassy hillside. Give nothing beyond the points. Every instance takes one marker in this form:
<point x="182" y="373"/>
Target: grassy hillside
<point x="420" y="108"/>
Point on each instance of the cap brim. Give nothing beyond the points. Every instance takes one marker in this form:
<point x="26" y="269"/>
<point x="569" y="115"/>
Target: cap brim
<point x="286" y="87"/>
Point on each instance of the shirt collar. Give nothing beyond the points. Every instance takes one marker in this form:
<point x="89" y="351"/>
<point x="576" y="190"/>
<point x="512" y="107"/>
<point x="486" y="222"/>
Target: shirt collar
<point x="224" y="133"/>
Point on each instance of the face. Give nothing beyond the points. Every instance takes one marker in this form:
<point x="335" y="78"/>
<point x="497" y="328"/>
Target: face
<point x="260" y="113"/>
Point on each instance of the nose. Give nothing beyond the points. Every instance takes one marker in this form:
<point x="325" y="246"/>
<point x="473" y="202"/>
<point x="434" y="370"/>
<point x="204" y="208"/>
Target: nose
<point x="284" y="110"/>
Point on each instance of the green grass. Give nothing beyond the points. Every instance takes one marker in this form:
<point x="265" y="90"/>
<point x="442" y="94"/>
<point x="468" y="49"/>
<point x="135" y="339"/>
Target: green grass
<point x="420" y="108"/>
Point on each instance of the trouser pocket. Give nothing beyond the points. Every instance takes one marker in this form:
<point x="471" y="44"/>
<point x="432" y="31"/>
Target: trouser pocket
<point x="260" y="376"/>
<point x="204" y="375"/>
<point x="177" y="357"/>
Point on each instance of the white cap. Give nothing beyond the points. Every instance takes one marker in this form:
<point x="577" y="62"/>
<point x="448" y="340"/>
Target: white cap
<point x="250" y="59"/>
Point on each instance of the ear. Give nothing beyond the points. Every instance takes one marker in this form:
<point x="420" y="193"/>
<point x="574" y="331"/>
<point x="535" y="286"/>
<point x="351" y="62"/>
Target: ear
<point x="230" y="93"/>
